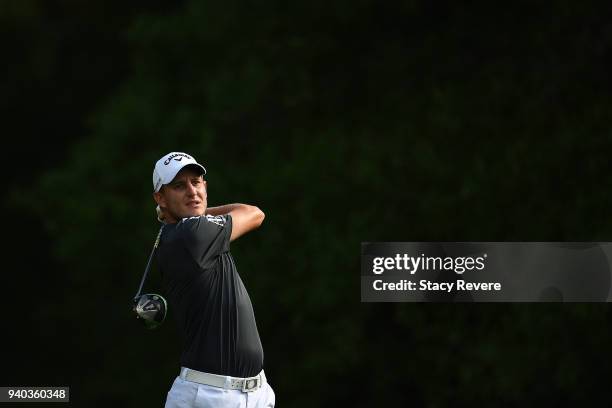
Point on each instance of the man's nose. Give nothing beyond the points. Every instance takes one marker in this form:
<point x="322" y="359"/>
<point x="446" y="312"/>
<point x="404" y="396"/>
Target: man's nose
<point x="191" y="189"/>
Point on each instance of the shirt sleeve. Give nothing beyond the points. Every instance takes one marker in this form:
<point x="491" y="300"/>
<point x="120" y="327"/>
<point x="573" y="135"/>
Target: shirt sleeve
<point x="207" y="237"/>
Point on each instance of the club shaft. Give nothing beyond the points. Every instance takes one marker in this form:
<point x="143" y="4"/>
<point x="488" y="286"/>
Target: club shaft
<point x="146" y="271"/>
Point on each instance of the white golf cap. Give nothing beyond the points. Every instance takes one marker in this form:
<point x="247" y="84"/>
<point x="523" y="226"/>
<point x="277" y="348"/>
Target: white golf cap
<point x="168" y="166"/>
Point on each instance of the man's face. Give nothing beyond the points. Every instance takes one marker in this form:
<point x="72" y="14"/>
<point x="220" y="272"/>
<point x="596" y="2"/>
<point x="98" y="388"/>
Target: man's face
<point x="185" y="196"/>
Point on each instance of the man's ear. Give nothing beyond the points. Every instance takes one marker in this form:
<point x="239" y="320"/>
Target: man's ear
<point x="159" y="199"/>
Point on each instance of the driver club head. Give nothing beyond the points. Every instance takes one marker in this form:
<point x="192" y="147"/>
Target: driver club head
<point x="151" y="309"/>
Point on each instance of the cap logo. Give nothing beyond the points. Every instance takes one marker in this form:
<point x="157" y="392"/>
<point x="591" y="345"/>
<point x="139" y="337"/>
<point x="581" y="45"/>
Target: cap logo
<point x="174" y="156"/>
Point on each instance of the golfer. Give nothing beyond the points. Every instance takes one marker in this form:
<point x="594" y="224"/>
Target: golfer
<point x="222" y="357"/>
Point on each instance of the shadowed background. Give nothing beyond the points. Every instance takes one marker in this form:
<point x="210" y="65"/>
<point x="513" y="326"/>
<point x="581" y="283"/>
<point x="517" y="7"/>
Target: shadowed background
<point x="345" y="122"/>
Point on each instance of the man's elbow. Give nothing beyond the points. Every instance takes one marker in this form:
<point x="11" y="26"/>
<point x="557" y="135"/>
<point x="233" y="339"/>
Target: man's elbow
<point x="258" y="216"/>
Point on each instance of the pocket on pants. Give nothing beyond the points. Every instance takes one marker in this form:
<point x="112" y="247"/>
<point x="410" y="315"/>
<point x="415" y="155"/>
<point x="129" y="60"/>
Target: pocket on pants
<point x="182" y="394"/>
<point x="271" y="397"/>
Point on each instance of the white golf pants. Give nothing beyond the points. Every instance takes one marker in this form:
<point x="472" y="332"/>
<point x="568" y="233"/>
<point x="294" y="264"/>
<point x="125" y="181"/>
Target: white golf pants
<point x="187" y="394"/>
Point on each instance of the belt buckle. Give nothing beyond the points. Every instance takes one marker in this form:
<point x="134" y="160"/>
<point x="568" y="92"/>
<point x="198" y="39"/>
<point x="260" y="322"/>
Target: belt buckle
<point x="251" y="384"/>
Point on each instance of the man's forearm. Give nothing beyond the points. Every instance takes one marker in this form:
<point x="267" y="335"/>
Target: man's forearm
<point x="222" y="209"/>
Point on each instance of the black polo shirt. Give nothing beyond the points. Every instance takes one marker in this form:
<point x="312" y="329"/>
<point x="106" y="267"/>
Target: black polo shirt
<point x="207" y="297"/>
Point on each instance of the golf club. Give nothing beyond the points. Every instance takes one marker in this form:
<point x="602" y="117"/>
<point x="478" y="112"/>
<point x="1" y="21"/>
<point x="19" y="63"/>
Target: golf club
<point x="150" y="308"/>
